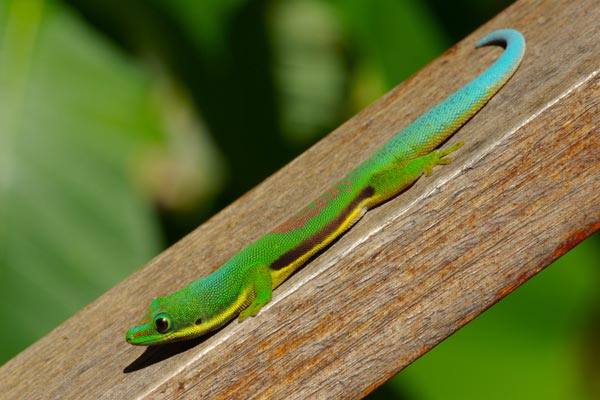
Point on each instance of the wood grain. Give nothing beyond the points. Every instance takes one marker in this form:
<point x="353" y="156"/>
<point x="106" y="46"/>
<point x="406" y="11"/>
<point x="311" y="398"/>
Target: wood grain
<point x="523" y="190"/>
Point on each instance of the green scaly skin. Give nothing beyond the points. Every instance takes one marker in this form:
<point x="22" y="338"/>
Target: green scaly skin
<point x="244" y="284"/>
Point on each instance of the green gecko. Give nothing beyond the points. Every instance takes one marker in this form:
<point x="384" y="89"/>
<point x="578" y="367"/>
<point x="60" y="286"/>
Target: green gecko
<point x="244" y="284"/>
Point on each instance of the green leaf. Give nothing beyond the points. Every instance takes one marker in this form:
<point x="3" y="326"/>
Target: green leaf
<point x="393" y="40"/>
<point x="310" y="72"/>
<point x="75" y="118"/>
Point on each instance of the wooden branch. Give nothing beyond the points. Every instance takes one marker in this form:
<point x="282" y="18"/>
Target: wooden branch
<point x="523" y="190"/>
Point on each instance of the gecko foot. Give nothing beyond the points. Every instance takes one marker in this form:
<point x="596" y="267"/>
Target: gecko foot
<point x="440" y="157"/>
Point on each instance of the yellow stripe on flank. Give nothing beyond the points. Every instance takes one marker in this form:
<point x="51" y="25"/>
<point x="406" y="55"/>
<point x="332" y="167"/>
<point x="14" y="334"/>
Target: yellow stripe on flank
<point x="281" y="274"/>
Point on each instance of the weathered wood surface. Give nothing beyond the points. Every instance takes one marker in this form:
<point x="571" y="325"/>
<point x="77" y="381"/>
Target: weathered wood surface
<point x="523" y="190"/>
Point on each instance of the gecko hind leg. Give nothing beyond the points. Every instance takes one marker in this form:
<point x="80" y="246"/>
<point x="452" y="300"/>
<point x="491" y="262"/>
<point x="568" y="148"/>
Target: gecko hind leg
<point x="396" y="177"/>
<point x="439" y="157"/>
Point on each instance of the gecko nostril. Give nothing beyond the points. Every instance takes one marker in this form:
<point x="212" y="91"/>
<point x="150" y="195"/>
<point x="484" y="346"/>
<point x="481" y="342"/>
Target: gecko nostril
<point x="198" y="321"/>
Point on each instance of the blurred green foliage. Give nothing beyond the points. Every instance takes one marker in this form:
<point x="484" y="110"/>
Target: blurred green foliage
<point x="123" y="125"/>
<point x="73" y="115"/>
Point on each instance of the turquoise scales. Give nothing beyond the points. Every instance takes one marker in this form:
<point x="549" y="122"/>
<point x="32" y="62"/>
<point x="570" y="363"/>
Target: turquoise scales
<point x="244" y="284"/>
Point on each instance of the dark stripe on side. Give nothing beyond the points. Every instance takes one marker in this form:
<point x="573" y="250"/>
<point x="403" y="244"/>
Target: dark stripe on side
<point x="313" y="241"/>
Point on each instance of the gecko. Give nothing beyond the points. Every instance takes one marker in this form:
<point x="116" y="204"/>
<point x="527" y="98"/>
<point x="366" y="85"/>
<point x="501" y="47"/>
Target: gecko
<point x="245" y="283"/>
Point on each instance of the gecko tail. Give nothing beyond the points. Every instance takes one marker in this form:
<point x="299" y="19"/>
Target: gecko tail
<point x="436" y="125"/>
<point x="504" y="37"/>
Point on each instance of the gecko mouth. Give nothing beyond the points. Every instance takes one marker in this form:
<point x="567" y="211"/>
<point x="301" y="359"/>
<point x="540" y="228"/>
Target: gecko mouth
<point x="144" y="335"/>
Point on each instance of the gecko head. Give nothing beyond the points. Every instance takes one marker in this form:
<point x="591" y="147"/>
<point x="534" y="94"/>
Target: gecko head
<point x="157" y="326"/>
<point x="178" y="316"/>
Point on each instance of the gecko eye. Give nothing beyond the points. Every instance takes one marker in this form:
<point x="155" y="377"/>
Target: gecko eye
<point x="162" y="322"/>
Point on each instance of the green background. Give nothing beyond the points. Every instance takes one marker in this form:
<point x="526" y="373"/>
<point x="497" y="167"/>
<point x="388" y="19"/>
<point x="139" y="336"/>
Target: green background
<point x="124" y="125"/>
